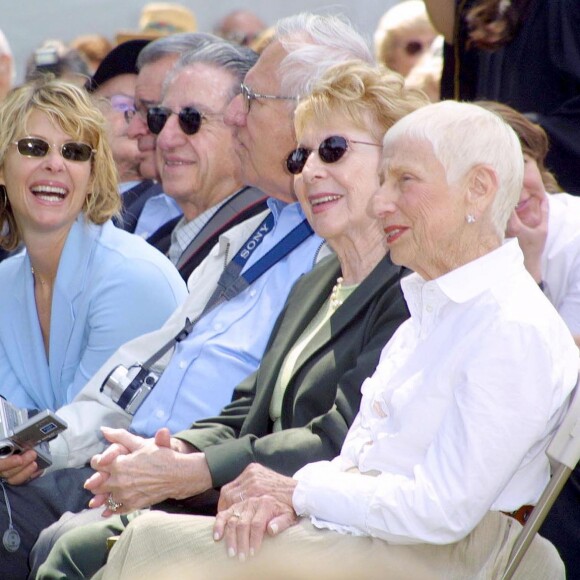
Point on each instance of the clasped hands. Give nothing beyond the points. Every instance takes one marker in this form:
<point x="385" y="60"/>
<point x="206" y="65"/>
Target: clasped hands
<point x="140" y="472"/>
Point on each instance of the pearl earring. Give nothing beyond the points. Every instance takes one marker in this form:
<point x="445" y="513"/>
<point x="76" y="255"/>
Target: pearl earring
<point x="470" y="218"/>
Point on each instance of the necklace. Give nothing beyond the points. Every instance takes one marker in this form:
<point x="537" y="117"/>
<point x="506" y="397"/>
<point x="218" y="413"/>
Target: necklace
<point x="334" y="300"/>
<point x="42" y="282"/>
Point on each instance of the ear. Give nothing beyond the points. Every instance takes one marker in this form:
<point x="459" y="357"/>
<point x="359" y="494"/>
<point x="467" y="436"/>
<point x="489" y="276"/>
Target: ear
<point x="482" y="186"/>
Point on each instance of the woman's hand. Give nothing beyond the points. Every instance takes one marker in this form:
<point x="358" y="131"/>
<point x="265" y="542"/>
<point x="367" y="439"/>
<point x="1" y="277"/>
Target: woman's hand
<point x="244" y="524"/>
<point x="256" y="481"/>
<point x="532" y="240"/>
<point x="19" y="468"/>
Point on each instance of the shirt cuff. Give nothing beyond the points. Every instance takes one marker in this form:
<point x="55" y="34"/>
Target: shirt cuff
<point x="334" y="496"/>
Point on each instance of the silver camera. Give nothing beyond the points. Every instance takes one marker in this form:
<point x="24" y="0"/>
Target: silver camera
<point x="21" y="430"/>
<point x="129" y="387"/>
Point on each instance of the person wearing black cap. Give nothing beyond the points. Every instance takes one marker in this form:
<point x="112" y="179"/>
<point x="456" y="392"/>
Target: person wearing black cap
<point x="113" y="89"/>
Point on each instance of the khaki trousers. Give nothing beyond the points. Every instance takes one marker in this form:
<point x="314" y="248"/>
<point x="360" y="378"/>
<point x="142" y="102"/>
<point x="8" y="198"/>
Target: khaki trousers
<point x="160" y="545"/>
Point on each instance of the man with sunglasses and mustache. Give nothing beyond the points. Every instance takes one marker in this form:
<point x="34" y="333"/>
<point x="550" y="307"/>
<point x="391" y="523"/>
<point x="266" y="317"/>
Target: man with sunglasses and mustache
<point x="262" y="120"/>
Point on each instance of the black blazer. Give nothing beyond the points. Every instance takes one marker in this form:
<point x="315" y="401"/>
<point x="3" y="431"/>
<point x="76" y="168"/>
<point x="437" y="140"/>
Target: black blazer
<point x="323" y="395"/>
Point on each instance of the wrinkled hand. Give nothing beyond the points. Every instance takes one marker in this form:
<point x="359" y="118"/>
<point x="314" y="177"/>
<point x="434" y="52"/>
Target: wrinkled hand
<point x="140" y="472"/>
<point x="256" y="481"/>
<point x="19" y="468"/>
<point x="532" y="240"/>
<point x="244" y="524"/>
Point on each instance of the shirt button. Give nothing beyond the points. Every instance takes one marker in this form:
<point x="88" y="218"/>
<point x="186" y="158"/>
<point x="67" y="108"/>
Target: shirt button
<point x="160" y="413"/>
<point x="182" y="364"/>
<point x="252" y="293"/>
<point x="429" y="308"/>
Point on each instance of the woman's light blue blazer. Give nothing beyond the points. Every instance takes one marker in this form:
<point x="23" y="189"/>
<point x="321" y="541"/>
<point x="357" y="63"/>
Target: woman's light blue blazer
<point x="111" y="286"/>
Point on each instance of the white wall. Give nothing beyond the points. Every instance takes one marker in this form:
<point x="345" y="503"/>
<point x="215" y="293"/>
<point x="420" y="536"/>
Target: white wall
<point x="27" y="23"/>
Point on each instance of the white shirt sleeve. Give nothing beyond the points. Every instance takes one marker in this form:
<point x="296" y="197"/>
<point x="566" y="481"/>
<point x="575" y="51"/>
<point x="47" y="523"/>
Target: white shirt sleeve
<point x="492" y="422"/>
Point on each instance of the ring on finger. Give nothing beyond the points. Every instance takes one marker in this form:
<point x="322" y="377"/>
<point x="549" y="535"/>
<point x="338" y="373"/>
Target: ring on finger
<point x="242" y="496"/>
<point x="112" y="504"/>
<point x="236" y="514"/>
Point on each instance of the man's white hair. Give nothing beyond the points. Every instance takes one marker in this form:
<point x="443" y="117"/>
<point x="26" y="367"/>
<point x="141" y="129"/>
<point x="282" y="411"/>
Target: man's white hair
<point x="315" y="43"/>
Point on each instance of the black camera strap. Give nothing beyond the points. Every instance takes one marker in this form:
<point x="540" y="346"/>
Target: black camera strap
<point x="230" y="284"/>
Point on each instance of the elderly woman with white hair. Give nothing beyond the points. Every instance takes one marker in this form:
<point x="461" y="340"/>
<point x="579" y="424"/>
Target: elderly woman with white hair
<point x="449" y="441"/>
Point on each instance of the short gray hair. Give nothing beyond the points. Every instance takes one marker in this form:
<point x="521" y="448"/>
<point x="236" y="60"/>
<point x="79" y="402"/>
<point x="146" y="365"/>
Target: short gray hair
<point x="316" y="42"/>
<point x="464" y="135"/>
<point x="174" y="44"/>
<point x="237" y="60"/>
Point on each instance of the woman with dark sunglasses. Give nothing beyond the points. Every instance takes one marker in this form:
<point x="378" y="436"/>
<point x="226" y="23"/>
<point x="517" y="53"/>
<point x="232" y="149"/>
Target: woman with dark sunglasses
<point x="81" y="287"/>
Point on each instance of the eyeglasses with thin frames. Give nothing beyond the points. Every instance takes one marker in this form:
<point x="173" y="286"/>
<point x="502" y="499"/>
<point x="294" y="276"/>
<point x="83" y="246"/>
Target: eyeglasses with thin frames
<point x="248" y="95"/>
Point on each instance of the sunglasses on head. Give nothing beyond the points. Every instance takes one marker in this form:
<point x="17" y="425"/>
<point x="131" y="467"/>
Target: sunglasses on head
<point x="189" y="119"/>
<point x="330" y="151"/>
<point x="37" y="147"/>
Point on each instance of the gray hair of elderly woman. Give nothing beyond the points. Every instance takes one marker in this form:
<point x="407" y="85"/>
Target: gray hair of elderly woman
<point x="314" y="43"/>
<point x="235" y="59"/>
<point x="462" y="136"/>
<point x="174" y="44"/>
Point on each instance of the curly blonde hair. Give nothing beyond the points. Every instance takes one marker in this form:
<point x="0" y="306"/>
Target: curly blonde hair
<point x="72" y="110"/>
<point x="359" y="92"/>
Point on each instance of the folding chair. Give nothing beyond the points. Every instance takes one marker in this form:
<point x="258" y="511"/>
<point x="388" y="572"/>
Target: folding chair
<point x="564" y="454"/>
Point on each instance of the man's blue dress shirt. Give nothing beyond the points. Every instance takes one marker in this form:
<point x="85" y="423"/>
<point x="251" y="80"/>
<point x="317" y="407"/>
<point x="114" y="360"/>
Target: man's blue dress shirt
<point x="227" y="344"/>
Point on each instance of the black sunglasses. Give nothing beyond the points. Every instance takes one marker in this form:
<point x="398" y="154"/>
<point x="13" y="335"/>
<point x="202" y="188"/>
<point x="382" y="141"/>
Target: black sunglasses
<point x="189" y="119"/>
<point x="330" y="151"/>
<point x="37" y="147"/>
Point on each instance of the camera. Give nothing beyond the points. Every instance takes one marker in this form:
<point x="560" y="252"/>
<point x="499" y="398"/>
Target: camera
<point x="129" y="387"/>
<point x="21" y="429"/>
